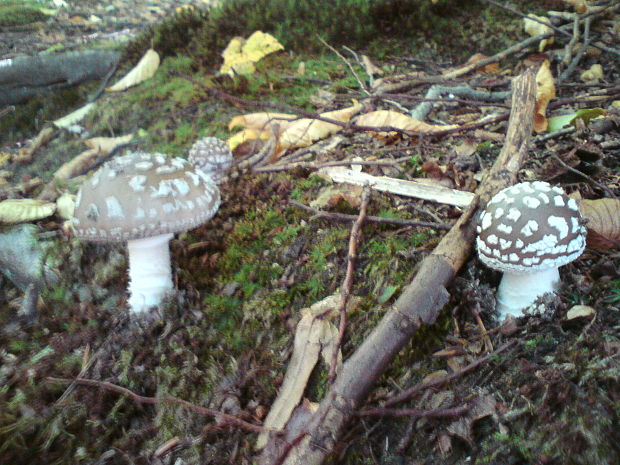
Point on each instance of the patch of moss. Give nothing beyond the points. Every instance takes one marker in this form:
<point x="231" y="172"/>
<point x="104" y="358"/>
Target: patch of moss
<point x="18" y="14"/>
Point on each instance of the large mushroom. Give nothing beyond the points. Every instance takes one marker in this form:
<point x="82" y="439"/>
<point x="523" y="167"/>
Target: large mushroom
<point x="527" y="231"/>
<point x="144" y="198"/>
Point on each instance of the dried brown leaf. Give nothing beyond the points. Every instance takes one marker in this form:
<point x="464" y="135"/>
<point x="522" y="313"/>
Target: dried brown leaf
<point x="545" y="91"/>
<point x="400" y="121"/>
<point x="603" y="222"/>
<point x="306" y="131"/>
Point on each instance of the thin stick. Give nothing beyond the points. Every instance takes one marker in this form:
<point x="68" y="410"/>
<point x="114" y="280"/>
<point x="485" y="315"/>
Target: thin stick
<point x="345" y="292"/>
<point x="244" y="425"/>
<point x="573" y="64"/>
<point x="357" y="78"/>
<point x="414" y="412"/>
<point x="555" y="28"/>
<point x="408" y="393"/>
<point x="584" y="175"/>
<point x="319" y="214"/>
<point x="497" y="57"/>
<point x="318" y="166"/>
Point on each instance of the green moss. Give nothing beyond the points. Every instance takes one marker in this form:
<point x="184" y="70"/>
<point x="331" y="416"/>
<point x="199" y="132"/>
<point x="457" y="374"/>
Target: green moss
<point x="17" y="14"/>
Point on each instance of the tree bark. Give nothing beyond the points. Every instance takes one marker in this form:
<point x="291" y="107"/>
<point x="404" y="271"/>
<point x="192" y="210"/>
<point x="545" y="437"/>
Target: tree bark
<point x="23" y="77"/>
<point x="417" y="306"/>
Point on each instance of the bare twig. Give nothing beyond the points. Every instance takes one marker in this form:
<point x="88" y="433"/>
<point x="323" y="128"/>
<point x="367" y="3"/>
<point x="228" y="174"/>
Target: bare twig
<point x="555" y="28"/>
<point x="573" y="65"/>
<point x="415" y="413"/>
<point x="410" y="392"/>
<point x="568" y="50"/>
<point x="609" y="192"/>
<point x="497" y="57"/>
<point x="317" y="166"/>
<point x="357" y="78"/>
<point x="345" y="291"/>
<point x="318" y="214"/>
<point x="231" y="419"/>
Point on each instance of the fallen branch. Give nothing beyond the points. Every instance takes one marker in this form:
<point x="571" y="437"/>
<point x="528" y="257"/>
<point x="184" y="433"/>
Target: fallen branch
<point x="318" y="214"/>
<point x="418" y="305"/>
<point x="231" y="419"/>
<point x="415" y="189"/>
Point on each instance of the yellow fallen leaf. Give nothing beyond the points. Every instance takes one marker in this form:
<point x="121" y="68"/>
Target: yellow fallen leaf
<point x="304" y="132"/>
<point x="246" y="135"/>
<point x="535" y="28"/>
<point x="545" y="91"/>
<point x="400" y="121"/>
<point x="240" y="54"/>
<point x="107" y="144"/>
<point x="22" y="210"/>
<point x="261" y="121"/>
<point x="593" y="74"/>
<point x="74" y="117"/>
<point x="145" y="69"/>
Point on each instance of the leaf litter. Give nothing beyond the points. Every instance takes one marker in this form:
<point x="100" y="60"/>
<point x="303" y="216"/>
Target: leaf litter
<point x="540" y="370"/>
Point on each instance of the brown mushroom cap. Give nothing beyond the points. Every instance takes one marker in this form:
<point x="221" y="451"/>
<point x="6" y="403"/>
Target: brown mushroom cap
<point x="528" y="227"/>
<point x="211" y="155"/>
<point x="140" y="195"/>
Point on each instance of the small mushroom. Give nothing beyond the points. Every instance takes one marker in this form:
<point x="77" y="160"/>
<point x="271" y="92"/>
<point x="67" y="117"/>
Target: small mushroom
<point x="144" y="198"/>
<point x="527" y="231"/>
<point x="212" y="156"/>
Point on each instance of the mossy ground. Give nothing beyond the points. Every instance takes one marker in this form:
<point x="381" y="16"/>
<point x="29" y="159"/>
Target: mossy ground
<point x="244" y="277"/>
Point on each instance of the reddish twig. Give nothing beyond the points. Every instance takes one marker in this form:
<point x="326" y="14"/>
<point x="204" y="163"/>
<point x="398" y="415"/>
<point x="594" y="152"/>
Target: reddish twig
<point x="414" y="412"/>
<point x="373" y="219"/>
<point x="231" y="419"/>
<point x="407" y="393"/>
<point x="345" y="292"/>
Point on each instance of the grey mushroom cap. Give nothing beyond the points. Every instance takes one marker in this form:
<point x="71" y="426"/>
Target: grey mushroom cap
<point x="528" y="227"/>
<point x="140" y="195"/>
<point x="211" y="155"/>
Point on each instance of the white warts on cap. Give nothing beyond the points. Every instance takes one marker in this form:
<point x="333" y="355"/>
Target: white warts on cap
<point x="114" y="208"/>
<point x="137" y="182"/>
<point x="529" y="228"/>
<point x="560" y="224"/>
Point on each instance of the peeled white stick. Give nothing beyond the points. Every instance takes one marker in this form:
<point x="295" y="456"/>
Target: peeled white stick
<point x="415" y="189"/>
<point x="517" y="291"/>
<point x="150" y="274"/>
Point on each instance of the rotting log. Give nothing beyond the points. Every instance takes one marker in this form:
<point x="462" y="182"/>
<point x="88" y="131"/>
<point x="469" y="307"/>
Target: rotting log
<point x="418" y="305"/>
<point x="24" y="77"/>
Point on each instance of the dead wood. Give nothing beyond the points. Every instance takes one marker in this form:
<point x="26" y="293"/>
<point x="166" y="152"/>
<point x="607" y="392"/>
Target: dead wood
<point x="23" y="77"/>
<point x="417" y="306"/>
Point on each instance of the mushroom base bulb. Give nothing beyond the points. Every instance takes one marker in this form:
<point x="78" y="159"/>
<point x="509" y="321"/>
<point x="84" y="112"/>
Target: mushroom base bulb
<point x="150" y="276"/>
<point x="518" y="291"/>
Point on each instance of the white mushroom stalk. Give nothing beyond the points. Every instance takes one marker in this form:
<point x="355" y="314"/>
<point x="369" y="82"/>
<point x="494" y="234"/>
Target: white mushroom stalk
<point x="150" y="275"/>
<point x="527" y="232"/>
<point x="517" y="291"/>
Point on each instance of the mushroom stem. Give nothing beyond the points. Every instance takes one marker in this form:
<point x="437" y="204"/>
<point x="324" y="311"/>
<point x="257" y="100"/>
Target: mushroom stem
<point x="150" y="276"/>
<point x="517" y="291"/>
